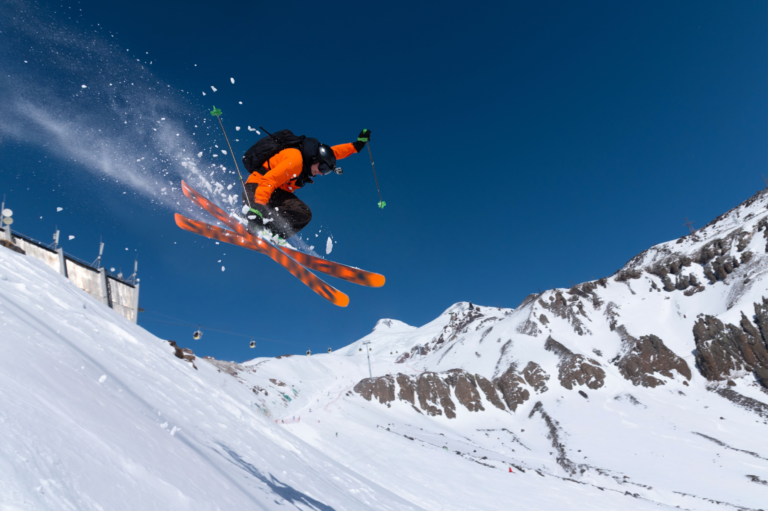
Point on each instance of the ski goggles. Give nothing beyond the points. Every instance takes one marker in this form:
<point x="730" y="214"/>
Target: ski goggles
<point x="325" y="169"/>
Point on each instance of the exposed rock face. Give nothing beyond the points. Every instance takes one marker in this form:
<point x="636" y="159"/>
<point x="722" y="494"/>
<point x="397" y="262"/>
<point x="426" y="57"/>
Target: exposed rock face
<point x="568" y="310"/>
<point x="576" y="369"/>
<point x="529" y="327"/>
<point x="433" y="393"/>
<point x="490" y="392"/>
<point x="611" y="312"/>
<point x="761" y="315"/>
<point x="436" y="393"/>
<point x="466" y="390"/>
<point x="628" y="274"/>
<point x="407" y="389"/>
<point x="587" y="290"/>
<point x="554" y="435"/>
<point x="536" y="377"/>
<point x="511" y="386"/>
<point x="183" y="353"/>
<point x="643" y="357"/>
<point x="402" y="358"/>
<point x="381" y="387"/>
<point x="722" y="349"/>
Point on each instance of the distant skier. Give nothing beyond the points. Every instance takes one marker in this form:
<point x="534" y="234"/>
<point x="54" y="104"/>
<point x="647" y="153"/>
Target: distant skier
<point x="281" y="163"/>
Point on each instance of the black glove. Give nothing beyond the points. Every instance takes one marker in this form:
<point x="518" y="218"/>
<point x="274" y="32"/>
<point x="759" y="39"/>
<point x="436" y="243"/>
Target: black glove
<point x="256" y="215"/>
<point x="362" y="138"/>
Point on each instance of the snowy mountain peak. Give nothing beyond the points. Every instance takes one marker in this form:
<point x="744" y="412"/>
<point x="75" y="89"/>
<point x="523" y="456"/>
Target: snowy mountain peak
<point x="392" y="326"/>
<point x="726" y="235"/>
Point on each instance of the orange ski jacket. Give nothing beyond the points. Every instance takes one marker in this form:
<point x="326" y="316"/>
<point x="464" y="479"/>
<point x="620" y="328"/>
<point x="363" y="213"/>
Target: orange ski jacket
<point x="282" y="170"/>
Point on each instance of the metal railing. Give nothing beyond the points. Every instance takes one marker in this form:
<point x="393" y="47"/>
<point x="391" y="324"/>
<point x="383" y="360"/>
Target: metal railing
<point x="77" y="260"/>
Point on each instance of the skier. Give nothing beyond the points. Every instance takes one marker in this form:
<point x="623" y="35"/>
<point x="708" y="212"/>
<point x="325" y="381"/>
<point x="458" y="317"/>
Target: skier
<point x="269" y="200"/>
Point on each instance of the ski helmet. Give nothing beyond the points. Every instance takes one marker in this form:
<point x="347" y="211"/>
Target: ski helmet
<point x="326" y="158"/>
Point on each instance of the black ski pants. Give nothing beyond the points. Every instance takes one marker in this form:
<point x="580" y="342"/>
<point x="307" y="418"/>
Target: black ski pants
<point x="291" y="213"/>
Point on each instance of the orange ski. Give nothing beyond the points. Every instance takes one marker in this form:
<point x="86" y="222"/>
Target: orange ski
<point x="340" y="271"/>
<point x="317" y="285"/>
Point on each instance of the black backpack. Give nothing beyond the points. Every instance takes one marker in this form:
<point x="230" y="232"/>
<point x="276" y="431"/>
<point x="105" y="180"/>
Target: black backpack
<point x="260" y="152"/>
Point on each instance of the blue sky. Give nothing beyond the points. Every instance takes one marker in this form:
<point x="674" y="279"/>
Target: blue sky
<point x="519" y="146"/>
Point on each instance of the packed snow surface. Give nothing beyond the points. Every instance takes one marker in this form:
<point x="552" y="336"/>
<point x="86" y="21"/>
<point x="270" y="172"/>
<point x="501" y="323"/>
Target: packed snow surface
<point x="99" y="414"/>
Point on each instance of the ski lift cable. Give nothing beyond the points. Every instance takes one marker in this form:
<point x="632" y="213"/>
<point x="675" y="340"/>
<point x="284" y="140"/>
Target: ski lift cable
<point x="200" y="327"/>
<point x="224" y="332"/>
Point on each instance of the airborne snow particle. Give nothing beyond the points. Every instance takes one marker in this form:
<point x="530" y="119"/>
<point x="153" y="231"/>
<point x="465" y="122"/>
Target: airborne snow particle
<point x="200" y="154"/>
<point x="203" y="93"/>
<point x="328" y="246"/>
<point x="111" y="269"/>
<point x="237" y="128"/>
<point x="222" y="268"/>
<point x="71" y="237"/>
<point x="59" y="209"/>
<point x="84" y="86"/>
<point x="232" y="80"/>
<point x="224" y="151"/>
<point x="251" y="129"/>
<point x="103" y="378"/>
<point x="240" y="102"/>
<point x="213" y="88"/>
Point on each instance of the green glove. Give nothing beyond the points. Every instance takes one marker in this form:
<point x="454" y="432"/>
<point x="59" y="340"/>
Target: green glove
<point x="364" y="136"/>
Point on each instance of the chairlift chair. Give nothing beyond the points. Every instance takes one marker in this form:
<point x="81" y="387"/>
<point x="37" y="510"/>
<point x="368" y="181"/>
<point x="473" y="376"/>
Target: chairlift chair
<point x="309" y="352"/>
<point x="198" y="334"/>
<point x="329" y="350"/>
<point x="253" y="344"/>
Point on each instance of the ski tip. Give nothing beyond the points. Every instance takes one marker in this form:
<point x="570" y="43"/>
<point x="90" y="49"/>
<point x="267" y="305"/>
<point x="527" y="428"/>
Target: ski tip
<point x="334" y="296"/>
<point x="377" y="280"/>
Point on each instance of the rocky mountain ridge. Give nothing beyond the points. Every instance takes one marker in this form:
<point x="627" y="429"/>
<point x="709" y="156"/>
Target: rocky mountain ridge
<point x="717" y="269"/>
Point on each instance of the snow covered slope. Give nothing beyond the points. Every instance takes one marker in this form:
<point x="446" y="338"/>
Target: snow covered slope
<point x="648" y="386"/>
<point x="643" y="390"/>
<point x="98" y="414"/>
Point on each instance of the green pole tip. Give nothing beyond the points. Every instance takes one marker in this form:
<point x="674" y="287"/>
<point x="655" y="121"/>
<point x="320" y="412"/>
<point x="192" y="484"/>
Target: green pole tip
<point x="215" y="112"/>
<point x="382" y="204"/>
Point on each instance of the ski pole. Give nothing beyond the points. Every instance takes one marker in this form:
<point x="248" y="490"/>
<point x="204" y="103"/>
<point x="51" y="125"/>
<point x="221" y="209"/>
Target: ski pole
<point x="217" y="113"/>
<point x="381" y="201"/>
